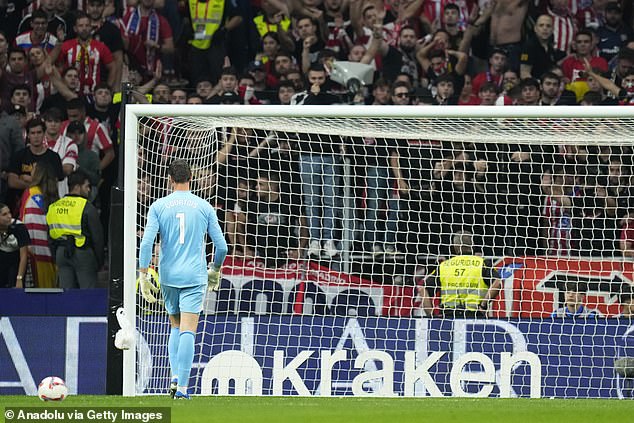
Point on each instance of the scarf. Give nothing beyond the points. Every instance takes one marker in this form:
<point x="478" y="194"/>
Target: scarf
<point x="152" y="33"/>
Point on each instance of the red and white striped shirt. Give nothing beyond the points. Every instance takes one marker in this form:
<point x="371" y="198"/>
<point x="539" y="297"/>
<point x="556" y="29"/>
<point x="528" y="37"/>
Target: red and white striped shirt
<point x="435" y="9"/>
<point x="67" y="151"/>
<point x="563" y="31"/>
<point x="97" y="138"/>
<point x="561" y="240"/>
<point x="87" y="60"/>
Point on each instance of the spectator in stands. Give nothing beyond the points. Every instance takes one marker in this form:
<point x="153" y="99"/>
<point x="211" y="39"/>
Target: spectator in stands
<point x="445" y="93"/>
<point x="21" y="96"/>
<point x="236" y="165"/>
<point x="613" y="32"/>
<point x="274" y="224"/>
<point x="380" y="92"/>
<point x="495" y="71"/>
<point x="309" y="42"/>
<point x="271" y="46"/>
<point x="285" y="92"/>
<point x="147" y="37"/>
<point x="76" y="234"/>
<point x="11" y="142"/>
<point x="38" y="36"/>
<point x="574" y="298"/>
<point x="89" y="56"/>
<point x="87" y="160"/>
<point x="42" y="191"/>
<point x="108" y="33"/>
<point x="531" y="92"/>
<point x="551" y="94"/>
<point x="67" y="90"/>
<point x="467" y="97"/>
<point x="338" y="27"/>
<point x="56" y="24"/>
<point x="228" y="84"/>
<point x="506" y="29"/>
<point x="161" y="94"/>
<point x="451" y="23"/>
<point x="597" y="231"/>
<point x="294" y="76"/>
<point x="558" y="213"/>
<point x="20" y="174"/>
<point x="204" y="88"/>
<point x="284" y="63"/>
<point x="178" y="96"/>
<point x="97" y="137"/>
<point x="466" y="282"/>
<point x="564" y="25"/>
<point x="104" y="110"/>
<point x="64" y="146"/>
<point x="210" y="35"/>
<point x="14" y="242"/>
<point x="538" y="52"/>
<point x="319" y="169"/>
<point x="194" y="99"/>
<point x="624" y="93"/>
<point x="400" y="94"/>
<point x="404" y="58"/>
<point x="618" y="187"/>
<point x="436" y="58"/>
<point x="574" y="65"/>
<point x="488" y="94"/>
<point x="318" y="93"/>
<point x="257" y="71"/>
<point x="372" y="161"/>
<point x="17" y="74"/>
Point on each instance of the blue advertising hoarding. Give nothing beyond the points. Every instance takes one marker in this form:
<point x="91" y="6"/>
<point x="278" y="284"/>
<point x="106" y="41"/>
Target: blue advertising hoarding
<point x="318" y="355"/>
<point x="73" y="348"/>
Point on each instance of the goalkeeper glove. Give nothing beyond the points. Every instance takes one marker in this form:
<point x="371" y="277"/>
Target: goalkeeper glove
<point x="147" y="288"/>
<point x="213" y="278"/>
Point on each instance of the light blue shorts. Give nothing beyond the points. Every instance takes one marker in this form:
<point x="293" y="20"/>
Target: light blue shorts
<point x="183" y="300"/>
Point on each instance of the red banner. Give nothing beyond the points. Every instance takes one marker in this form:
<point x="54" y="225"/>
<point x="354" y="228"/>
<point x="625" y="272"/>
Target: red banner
<point x="391" y="300"/>
<point x="532" y="286"/>
<point x="535" y="287"/>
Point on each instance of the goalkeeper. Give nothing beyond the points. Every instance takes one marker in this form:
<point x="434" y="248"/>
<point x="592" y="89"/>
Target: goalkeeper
<point x="182" y="219"/>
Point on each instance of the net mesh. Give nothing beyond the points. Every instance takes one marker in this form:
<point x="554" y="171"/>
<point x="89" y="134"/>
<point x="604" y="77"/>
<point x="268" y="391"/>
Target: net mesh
<point x="337" y="228"/>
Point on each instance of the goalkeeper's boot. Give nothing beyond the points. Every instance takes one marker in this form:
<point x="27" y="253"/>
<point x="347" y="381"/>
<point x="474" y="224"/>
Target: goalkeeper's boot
<point x="181" y="396"/>
<point x="173" y="387"/>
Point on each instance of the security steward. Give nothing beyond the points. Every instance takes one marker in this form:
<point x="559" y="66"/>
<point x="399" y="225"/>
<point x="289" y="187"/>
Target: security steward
<point x="76" y="235"/>
<point x="465" y="282"/>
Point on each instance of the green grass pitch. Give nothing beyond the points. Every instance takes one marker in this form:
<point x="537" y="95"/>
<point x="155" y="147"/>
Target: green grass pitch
<point x="362" y="410"/>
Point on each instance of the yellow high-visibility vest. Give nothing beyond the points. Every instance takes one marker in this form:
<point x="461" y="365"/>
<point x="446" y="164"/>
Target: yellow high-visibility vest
<point x="206" y="19"/>
<point x="64" y="218"/>
<point x="264" y="27"/>
<point x="461" y="282"/>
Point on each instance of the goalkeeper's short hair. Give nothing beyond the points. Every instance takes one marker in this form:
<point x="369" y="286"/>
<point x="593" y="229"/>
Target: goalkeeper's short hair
<point x="180" y="171"/>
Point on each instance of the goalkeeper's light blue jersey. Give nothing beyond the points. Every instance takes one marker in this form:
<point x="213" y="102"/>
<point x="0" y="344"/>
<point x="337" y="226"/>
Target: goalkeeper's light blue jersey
<point x="182" y="219"/>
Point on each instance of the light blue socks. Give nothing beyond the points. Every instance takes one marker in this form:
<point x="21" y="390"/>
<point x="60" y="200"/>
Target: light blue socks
<point x="172" y="349"/>
<point x="185" y="359"/>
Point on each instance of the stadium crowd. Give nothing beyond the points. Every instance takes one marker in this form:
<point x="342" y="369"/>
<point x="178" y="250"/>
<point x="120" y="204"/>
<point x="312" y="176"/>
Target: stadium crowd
<point x="62" y="64"/>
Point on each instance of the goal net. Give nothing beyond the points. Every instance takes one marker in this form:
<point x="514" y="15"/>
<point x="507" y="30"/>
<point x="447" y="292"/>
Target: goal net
<point x="338" y="220"/>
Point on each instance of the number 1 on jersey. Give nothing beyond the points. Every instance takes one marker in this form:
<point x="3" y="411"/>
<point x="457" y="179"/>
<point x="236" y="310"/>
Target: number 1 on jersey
<point x="181" y="226"/>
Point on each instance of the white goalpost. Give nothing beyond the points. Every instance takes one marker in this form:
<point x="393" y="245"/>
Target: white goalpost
<point x="337" y="219"/>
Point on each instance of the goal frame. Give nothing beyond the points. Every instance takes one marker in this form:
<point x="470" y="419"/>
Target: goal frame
<point x="134" y="112"/>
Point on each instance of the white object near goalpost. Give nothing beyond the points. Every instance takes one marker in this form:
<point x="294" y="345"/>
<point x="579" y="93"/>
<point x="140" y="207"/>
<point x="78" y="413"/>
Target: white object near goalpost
<point x="201" y="129"/>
